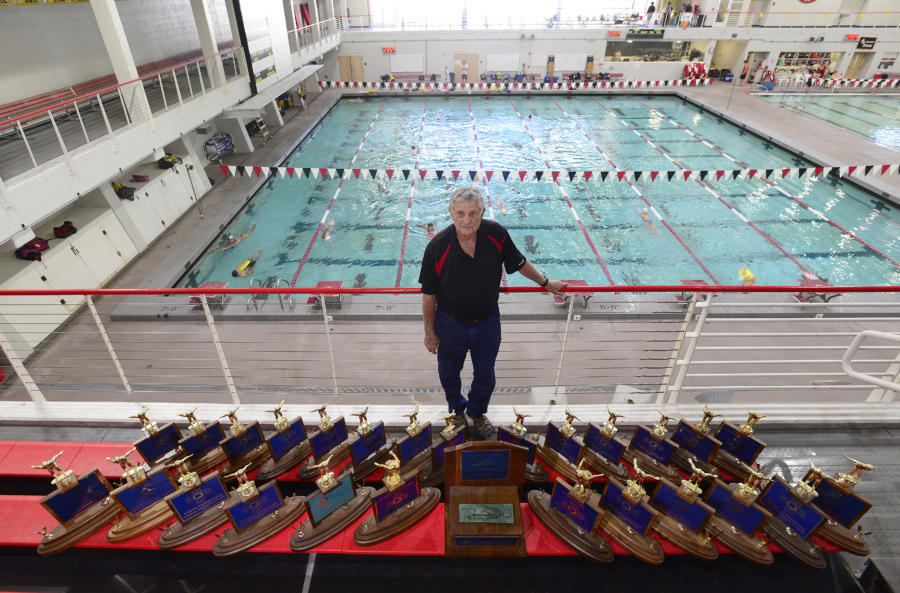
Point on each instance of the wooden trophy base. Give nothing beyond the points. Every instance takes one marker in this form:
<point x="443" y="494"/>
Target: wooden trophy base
<point x="643" y="547"/>
<point x="372" y="531"/>
<point x="93" y="519"/>
<point x="255" y="458"/>
<point x="207" y="461"/>
<point x="604" y="465"/>
<point x="367" y="466"/>
<point x="131" y="526"/>
<point x="681" y="460"/>
<point x="535" y="472"/>
<point x="272" y="469"/>
<point x="232" y="542"/>
<point x="179" y="533"/>
<point x="338" y="454"/>
<point x="802" y="549"/>
<point x="592" y="545"/>
<point x="729" y="464"/>
<point x="557" y="462"/>
<point x="309" y="536"/>
<point x="431" y="477"/>
<point x="652" y="466"/>
<point x="419" y="462"/>
<point x="696" y="544"/>
<point x="845" y="539"/>
<point x="745" y="546"/>
<point x="483" y="540"/>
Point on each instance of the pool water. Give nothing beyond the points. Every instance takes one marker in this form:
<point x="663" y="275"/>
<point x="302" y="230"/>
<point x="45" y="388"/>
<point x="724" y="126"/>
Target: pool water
<point x="874" y="116"/>
<point x="572" y="230"/>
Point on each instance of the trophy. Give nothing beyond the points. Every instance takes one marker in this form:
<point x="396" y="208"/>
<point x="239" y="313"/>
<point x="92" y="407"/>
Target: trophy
<point x="739" y="448"/>
<point x="333" y="507"/>
<point x="684" y="516"/>
<point x="534" y="472"/>
<point x="159" y="442"/>
<point x="652" y="449"/>
<point x="793" y="518"/>
<point x="368" y="445"/>
<point x="573" y="513"/>
<point x="330" y="441"/>
<point x="287" y="447"/>
<point x="630" y="517"/>
<point x="561" y="448"/>
<point x="256" y="514"/>
<point x="603" y="449"/>
<point x="396" y="507"/>
<point x="695" y="441"/>
<point x="739" y="519"/>
<point x="414" y="449"/>
<point x="245" y="446"/>
<point x="82" y="506"/>
<point x="203" y="444"/>
<point x="199" y="505"/>
<point x="842" y="507"/>
<point x="143" y="498"/>
<point x="450" y="436"/>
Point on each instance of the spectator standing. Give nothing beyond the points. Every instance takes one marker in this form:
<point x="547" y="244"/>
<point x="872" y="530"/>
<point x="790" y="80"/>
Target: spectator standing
<point x="686" y="15"/>
<point x="651" y="11"/>
<point x="667" y="14"/>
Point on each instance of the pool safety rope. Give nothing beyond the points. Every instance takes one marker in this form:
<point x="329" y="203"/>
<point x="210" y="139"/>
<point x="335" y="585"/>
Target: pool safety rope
<point x="810" y="173"/>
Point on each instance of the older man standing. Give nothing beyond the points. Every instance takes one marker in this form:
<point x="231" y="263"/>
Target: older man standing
<point x="460" y="280"/>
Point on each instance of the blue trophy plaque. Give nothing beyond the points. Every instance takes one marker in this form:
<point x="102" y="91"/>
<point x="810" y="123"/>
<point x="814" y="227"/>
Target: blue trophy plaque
<point x="323" y="441"/>
<point x="610" y="449"/>
<point x="635" y="515"/>
<point x="646" y="442"/>
<point x="282" y="442"/>
<point x="386" y="503"/>
<point x="693" y="515"/>
<point x="237" y="447"/>
<point x="157" y="445"/>
<point x="191" y="503"/>
<point x="363" y="447"/>
<point x="322" y="504"/>
<point x="744" y="447"/>
<point x="91" y="489"/>
<point x="484" y="465"/>
<point x="408" y="447"/>
<point x="569" y="448"/>
<point x="700" y="445"/>
<point x="582" y="514"/>
<point x="246" y="513"/>
<point x="504" y="435"/>
<point x="778" y="498"/>
<point x="842" y="506"/>
<point x="137" y="497"/>
<point x="204" y="442"/>
<point x="746" y="517"/>
<point x="437" y="453"/>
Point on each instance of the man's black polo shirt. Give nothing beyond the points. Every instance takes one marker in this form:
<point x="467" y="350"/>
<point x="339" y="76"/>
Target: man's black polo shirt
<point x="468" y="288"/>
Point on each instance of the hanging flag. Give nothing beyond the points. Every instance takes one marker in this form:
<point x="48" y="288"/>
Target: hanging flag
<point x="257" y="171"/>
<point x="555" y="175"/>
<point x="884" y="169"/>
<point x="571" y="175"/>
<point x="818" y="171"/>
<point x="784" y="173"/>
<point x="637" y="175"/>
<point x="587" y="175"/>
<point x="281" y="171"/>
<point x="440" y="174"/>
<point x="522" y="175"/>
<point x="686" y="174"/>
<point x="653" y="175"/>
<point x="390" y="173"/>
<point x="735" y="173"/>
<point x="224" y="169"/>
<point x="472" y="175"/>
<point x="356" y="173"/>
<point x="851" y="169"/>
<point x="538" y="175"/>
<point x="240" y="170"/>
<point x="405" y="173"/>
<point x="454" y="173"/>
<point x="489" y="174"/>
<point x="670" y="175"/>
<point x="801" y="171"/>
<point x="505" y="175"/>
<point x="703" y="175"/>
<point x="719" y="174"/>
<point x="422" y="173"/>
<point x="373" y="173"/>
<point x="621" y="175"/>
<point x="323" y="173"/>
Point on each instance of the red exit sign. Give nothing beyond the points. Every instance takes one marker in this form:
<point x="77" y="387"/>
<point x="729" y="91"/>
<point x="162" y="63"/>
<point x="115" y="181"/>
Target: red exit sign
<point x="852" y="36"/>
<point x="614" y="34"/>
<point x="390" y="50"/>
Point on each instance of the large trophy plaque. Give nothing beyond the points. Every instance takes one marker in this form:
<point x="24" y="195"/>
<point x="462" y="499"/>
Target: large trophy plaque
<point x="328" y="442"/>
<point x="739" y="448"/>
<point x="143" y="498"/>
<point x="516" y="434"/>
<point x="739" y="519"/>
<point x="572" y="514"/>
<point x="414" y="449"/>
<point x="203" y="444"/>
<point x="159" y="442"/>
<point x="684" y="516"/>
<point x="630" y="517"/>
<point x="288" y="446"/>
<point x="257" y="515"/>
<point x="653" y="450"/>
<point x="695" y="442"/>
<point x="82" y="506"/>
<point x="396" y="507"/>
<point x="560" y="447"/>
<point x="451" y="436"/>
<point x="199" y="505"/>
<point x="842" y="507"/>
<point x="793" y="519"/>
<point x="246" y="445"/>
<point x="603" y="449"/>
<point x="336" y="505"/>
<point x="482" y="516"/>
<point x="369" y="446"/>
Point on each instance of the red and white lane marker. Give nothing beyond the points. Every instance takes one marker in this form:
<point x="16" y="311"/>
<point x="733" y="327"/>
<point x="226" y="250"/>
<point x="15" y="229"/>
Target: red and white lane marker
<point x="412" y="193"/>
<point x="818" y="213"/>
<point x="335" y="196"/>
<point x="639" y="194"/>
<point x="568" y="201"/>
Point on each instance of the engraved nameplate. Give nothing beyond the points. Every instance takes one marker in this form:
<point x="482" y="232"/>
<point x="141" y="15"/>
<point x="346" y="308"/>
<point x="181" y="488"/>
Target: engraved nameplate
<point x="644" y="441"/>
<point x="324" y="441"/>
<point x="244" y="514"/>
<point x="388" y="502"/>
<point x="199" y="444"/>
<point x="484" y="465"/>
<point x="156" y="487"/>
<point x="582" y="515"/>
<point x="784" y="504"/>
<point x="743" y="447"/>
<point x="690" y="440"/>
<point x="844" y="507"/>
<point x="321" y="505"/>
<point x="693" y="515"/>
<point x="281" y="443"/>
<point x="504" y="435"/>
<point x="610" y="449"/>
<point x="637" y="516"/>
<point x="568" y="448"/>
<point x="361" y="448"/>
<point x="408" y="447"/>
<point x="90" y="490"/>
<point x="486" y="513"/>
<point x="190" y="503"/>
<point x="238" y="447"/>
<point x="156" y="446"/>
<point x="747" y="518"/>
<point x="437" y="455"/>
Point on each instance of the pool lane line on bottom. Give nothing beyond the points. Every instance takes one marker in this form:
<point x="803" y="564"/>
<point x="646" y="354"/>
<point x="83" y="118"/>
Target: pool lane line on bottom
<point x="334" y="197"/>
<point x="818" y="213"/>
<point x="730" y="206"/>
<point x="640" y="195"/>
<point x="412" y="192"/>
<point x="565" y="196"/>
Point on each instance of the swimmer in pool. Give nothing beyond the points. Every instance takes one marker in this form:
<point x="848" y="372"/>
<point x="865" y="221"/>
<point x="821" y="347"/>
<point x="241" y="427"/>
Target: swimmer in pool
<point x="747" y="277"/>
<point x="246" y="267"/>
<point x="516" y="144"/>
<point x="430" y="231"/>
<point x="328" y="233"/>
<point x="232" y="242"/>
<point x="648" y="222"/>
<point x="501" y="205"/>
<point x="413" y="151"/>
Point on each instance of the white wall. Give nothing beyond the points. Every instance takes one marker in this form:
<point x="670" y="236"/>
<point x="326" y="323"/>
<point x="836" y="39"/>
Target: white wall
<point x="796" y="13"/>
<point x="880" y="13"/>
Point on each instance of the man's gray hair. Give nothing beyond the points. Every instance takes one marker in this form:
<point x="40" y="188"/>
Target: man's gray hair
<point x="466" y="194"/>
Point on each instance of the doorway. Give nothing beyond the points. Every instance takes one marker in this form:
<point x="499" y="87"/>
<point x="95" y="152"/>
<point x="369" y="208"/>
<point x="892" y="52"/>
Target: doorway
<point x="466" y="64"/>
<point x="858" y="63"/>
<point x="350" y="68"/>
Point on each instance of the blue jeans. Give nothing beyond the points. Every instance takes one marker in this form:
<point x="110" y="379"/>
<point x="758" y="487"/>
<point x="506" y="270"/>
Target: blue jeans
<point x="457" y="339"/>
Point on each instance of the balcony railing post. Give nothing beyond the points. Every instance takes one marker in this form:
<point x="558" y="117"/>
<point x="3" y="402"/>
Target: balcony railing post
<point x="27" y="145"/>
<point x="676" y="351"/>
<point x="178" y="92"/>
<point x="693" y="337"/>
<point x="59" y="138"/>
<point x="81" y="121"/>
<point x="21" y="372"/>
<point x="187" y="75"/>
<point x="162" y="91"/>
<point x="200" y="76"/>
<point x="109" y="347"/>
<point x="124" y="106"/>
<point x="562" y="350"/>
<point x="226" y="371"/>
<point x="325" y="320"/>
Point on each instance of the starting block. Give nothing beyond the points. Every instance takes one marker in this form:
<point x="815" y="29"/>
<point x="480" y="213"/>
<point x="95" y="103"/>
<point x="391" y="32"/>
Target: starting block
<point x="686" y="295"/>
<point x="331" y="300"/>
<point x="583" y="297"/>
<point x="811" y="295"/>
<point x="213" y="300"/>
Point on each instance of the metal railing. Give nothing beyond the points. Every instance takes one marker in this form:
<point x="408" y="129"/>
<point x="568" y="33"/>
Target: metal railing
<point x="47" y="133"/>
<point x="603" y="344"/>
<point x="314" y="33"/>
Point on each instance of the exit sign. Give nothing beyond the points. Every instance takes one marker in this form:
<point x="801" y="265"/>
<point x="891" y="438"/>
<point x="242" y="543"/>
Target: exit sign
<point x="389" y="50"/>
<point x="852" y="36"/>
<point x="614" y="34"/>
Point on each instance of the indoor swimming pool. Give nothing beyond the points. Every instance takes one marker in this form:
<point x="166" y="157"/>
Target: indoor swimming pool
<point x="591" y="230"/>
<point x="874" y="116"/>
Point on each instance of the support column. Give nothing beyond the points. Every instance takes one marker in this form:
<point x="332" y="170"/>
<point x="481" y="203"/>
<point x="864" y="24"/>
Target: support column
<point x="110" y="25"/>
<point x="208" y="45"/>
<point x="329" y="10"/>
<point x="236" y="37"/>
